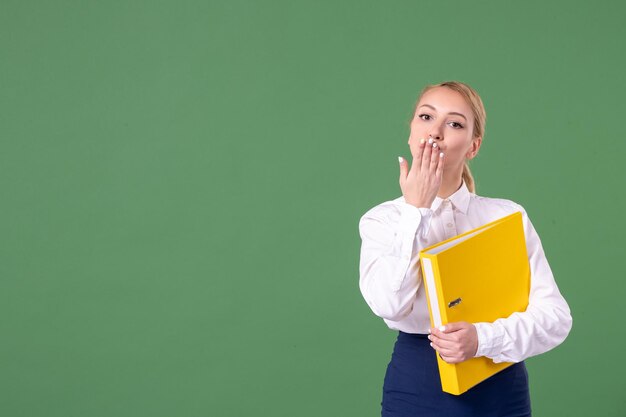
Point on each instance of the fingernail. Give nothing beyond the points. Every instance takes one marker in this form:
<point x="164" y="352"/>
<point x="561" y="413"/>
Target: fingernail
<point x="430" y="140"/>
<point x="429" y="337"/>
<point x="428" y="331"/>
<point x="422" y="140"/>
<point x="441" y="154"/>
<point x="400" y="159"/>
<point x="431" y="345"/>
<point x="442" y="328"/>
<point x="434" y="145"/>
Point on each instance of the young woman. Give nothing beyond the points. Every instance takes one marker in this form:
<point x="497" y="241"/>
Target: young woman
<point x="438" y="202"/>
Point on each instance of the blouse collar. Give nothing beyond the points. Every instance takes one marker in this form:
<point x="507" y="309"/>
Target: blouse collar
<point x="460" y="199"/>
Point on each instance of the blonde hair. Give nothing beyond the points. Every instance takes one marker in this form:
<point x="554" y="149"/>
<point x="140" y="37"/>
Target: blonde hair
<point x="480" y="118"/>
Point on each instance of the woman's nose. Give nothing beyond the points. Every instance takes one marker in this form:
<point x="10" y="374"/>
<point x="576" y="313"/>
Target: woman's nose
<point x="435" y="131"/>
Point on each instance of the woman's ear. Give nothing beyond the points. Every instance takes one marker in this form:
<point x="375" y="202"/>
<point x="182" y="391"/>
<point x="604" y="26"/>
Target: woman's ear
<point x="473" y="150"/>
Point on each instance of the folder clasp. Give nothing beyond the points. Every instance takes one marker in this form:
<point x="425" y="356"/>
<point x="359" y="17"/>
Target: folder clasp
<point x="454" y="302"/>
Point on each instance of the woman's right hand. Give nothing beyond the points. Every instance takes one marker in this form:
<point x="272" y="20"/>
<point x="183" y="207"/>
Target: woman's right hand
<point x="421" y="184"/>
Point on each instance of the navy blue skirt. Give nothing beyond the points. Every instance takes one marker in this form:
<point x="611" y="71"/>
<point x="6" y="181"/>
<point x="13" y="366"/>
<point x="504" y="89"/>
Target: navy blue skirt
<point x="412" y="386"/>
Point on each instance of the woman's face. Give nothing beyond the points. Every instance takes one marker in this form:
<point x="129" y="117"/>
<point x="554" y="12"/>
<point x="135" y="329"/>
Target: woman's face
<point x="443" y="114"/>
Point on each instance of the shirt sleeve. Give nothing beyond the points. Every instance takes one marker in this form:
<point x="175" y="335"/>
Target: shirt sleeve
<point x="544" y="325"/>
<point x="391" y="237"/>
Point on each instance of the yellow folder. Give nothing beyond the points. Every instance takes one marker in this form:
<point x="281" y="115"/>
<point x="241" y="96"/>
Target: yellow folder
<point x="478" y="276"/>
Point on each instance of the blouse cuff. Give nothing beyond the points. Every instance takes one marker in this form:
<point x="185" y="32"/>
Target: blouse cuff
<point x="490" y="339"/>
<point x="411" y="217"/>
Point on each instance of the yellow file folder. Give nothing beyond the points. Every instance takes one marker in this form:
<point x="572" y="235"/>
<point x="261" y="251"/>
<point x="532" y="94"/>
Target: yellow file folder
<point x="478" y="276"/>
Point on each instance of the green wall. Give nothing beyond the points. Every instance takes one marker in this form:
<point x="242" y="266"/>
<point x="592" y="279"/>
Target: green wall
<point x="181" y="184"/>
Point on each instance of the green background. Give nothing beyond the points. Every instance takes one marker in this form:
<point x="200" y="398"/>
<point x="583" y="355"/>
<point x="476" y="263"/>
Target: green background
<point x="181" y="184"/>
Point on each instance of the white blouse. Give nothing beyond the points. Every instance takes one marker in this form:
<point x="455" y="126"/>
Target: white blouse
<point x="392" y="234"/>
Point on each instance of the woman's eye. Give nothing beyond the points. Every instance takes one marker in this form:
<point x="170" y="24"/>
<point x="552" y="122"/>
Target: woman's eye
<point x="455" y="125"/>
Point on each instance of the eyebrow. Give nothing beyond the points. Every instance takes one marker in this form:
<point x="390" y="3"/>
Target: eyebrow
<point x="452" y="112"/>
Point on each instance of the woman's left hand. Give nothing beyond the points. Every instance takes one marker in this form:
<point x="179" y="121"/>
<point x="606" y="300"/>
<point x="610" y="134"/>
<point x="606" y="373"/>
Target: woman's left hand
<point x="458" y="341"/>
